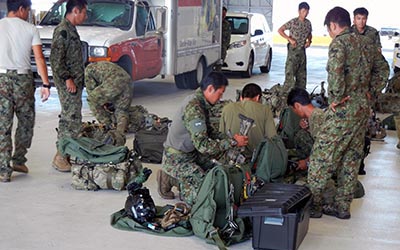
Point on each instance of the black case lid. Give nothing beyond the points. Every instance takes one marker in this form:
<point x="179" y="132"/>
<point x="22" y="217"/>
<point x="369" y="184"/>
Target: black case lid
<point x="275" y="199"/>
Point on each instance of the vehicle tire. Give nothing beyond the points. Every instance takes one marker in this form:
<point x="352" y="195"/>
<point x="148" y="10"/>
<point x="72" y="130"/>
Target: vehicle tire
<point x="195" y="77"/>
<point x="249" y="71"/>
<point x="180" y="81"/>
<point x="126" y="64"/>
<point x="267" y="67"/>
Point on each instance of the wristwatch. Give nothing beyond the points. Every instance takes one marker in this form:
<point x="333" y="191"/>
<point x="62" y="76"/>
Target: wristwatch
<point x="47" y="85"/>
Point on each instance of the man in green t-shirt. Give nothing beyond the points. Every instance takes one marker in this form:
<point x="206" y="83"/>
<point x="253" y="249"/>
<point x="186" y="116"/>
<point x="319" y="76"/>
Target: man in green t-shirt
<point x="251" y="107"/>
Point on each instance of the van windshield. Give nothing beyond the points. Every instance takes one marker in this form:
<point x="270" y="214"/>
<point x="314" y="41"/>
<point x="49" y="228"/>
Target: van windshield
<point x="239" y="25"/>
<point x="99" y="13"/>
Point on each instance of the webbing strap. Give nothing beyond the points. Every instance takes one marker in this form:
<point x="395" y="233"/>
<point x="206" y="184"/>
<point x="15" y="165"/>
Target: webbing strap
<point x="214" y="235"/>
<point x="109" y="179"/>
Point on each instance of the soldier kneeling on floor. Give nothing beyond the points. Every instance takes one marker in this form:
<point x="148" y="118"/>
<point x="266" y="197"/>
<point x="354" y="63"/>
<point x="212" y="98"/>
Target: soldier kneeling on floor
<point x="109" y="97"/>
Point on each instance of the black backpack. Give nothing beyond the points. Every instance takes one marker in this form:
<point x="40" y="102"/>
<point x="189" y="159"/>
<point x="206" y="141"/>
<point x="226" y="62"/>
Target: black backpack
<point x="149" y="141"/>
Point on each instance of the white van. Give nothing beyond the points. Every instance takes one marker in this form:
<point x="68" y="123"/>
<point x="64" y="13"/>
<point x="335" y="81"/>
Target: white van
<point x="251" y="43"/>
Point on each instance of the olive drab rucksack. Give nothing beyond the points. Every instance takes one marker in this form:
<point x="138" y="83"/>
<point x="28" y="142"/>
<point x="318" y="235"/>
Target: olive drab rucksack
<point x="214" y="215"/>
<point x="288" y="126"/>
<point x="270" y="160"/>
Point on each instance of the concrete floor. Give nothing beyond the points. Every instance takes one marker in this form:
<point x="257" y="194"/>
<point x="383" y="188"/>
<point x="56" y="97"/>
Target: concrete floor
<point x="41" y="210"/>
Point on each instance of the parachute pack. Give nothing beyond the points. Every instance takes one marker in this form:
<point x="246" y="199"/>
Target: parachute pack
<point x="270" y="160"/>
<point x="214" y="215"/>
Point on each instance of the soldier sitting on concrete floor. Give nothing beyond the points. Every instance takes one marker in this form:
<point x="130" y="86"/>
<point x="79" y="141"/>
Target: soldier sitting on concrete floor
<point x="192" y="143"/>
<point x="109" y="96"/>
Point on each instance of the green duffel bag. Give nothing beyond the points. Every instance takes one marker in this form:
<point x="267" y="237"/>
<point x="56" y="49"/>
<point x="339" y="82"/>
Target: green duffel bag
<point x="95" y="176"/>
<point x="89" y="150"/>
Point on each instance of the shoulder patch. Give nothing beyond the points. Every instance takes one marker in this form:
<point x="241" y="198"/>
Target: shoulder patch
<point x="63" y="33"/>
<point x="197" y="125"/>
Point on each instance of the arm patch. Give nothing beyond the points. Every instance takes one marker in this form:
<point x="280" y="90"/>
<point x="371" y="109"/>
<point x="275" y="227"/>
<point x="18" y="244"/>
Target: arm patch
<point x="197" y="125"/>
<point x="63" y="33"/>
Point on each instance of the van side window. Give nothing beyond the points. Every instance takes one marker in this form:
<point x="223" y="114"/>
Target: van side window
<point x="144" y="20"/>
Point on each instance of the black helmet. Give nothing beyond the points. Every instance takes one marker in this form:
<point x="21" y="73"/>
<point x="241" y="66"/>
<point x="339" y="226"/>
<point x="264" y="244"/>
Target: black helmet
<point x="140" y="206"/>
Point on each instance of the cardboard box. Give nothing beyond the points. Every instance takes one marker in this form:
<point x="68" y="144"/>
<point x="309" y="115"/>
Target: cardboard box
<point x="280" y="214"/>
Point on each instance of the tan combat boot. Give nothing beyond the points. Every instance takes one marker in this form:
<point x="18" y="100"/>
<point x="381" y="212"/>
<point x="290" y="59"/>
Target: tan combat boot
<point x="22" y="168"/>
<point x="61" y="163"/>
<point x="165" y="184"/>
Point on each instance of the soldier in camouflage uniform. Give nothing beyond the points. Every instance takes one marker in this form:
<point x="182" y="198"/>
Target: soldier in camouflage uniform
<point x="312" y="117"/>
<point x="226" y="38"/>
<point x="107" y="85"/>
<point x="360" y="27"/>
<point x="67" y="65"/>
<point x="17" y="89"/>
<point x="355" y="67"/>
<point x="192" y="143"/>
<point x="299" y="39"/>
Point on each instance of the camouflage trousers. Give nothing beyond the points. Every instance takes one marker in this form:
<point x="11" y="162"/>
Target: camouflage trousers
<point x="337" y="150"/>
<point x="17" y="96"/>
<point x="120" y="115"/>
<point x="188" y="168"/>
<point x="70" y="122"/>
<point x="296" y="68"/>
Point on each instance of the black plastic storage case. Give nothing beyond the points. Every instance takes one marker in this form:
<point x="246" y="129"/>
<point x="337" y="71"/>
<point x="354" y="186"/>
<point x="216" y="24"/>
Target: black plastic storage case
<point x="280" y="214"/>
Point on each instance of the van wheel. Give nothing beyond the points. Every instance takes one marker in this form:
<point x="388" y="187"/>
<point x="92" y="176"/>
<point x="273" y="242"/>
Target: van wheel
<point x="180" y="81"/>
<point x="249" y="71"/>
<point x="267" y="67"/>
<point x="195" y="77"/>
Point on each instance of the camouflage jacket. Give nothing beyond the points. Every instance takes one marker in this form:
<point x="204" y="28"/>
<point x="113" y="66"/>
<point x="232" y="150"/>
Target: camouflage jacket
<point x="105" y="81"/>
<point x="315" y="121"/>
<point x="355" y="67"/>
<point x="371" y="33"/>
<point x="299" y="30"/>
<point x="191" y="129"/>
<point x="66" y="53"/>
